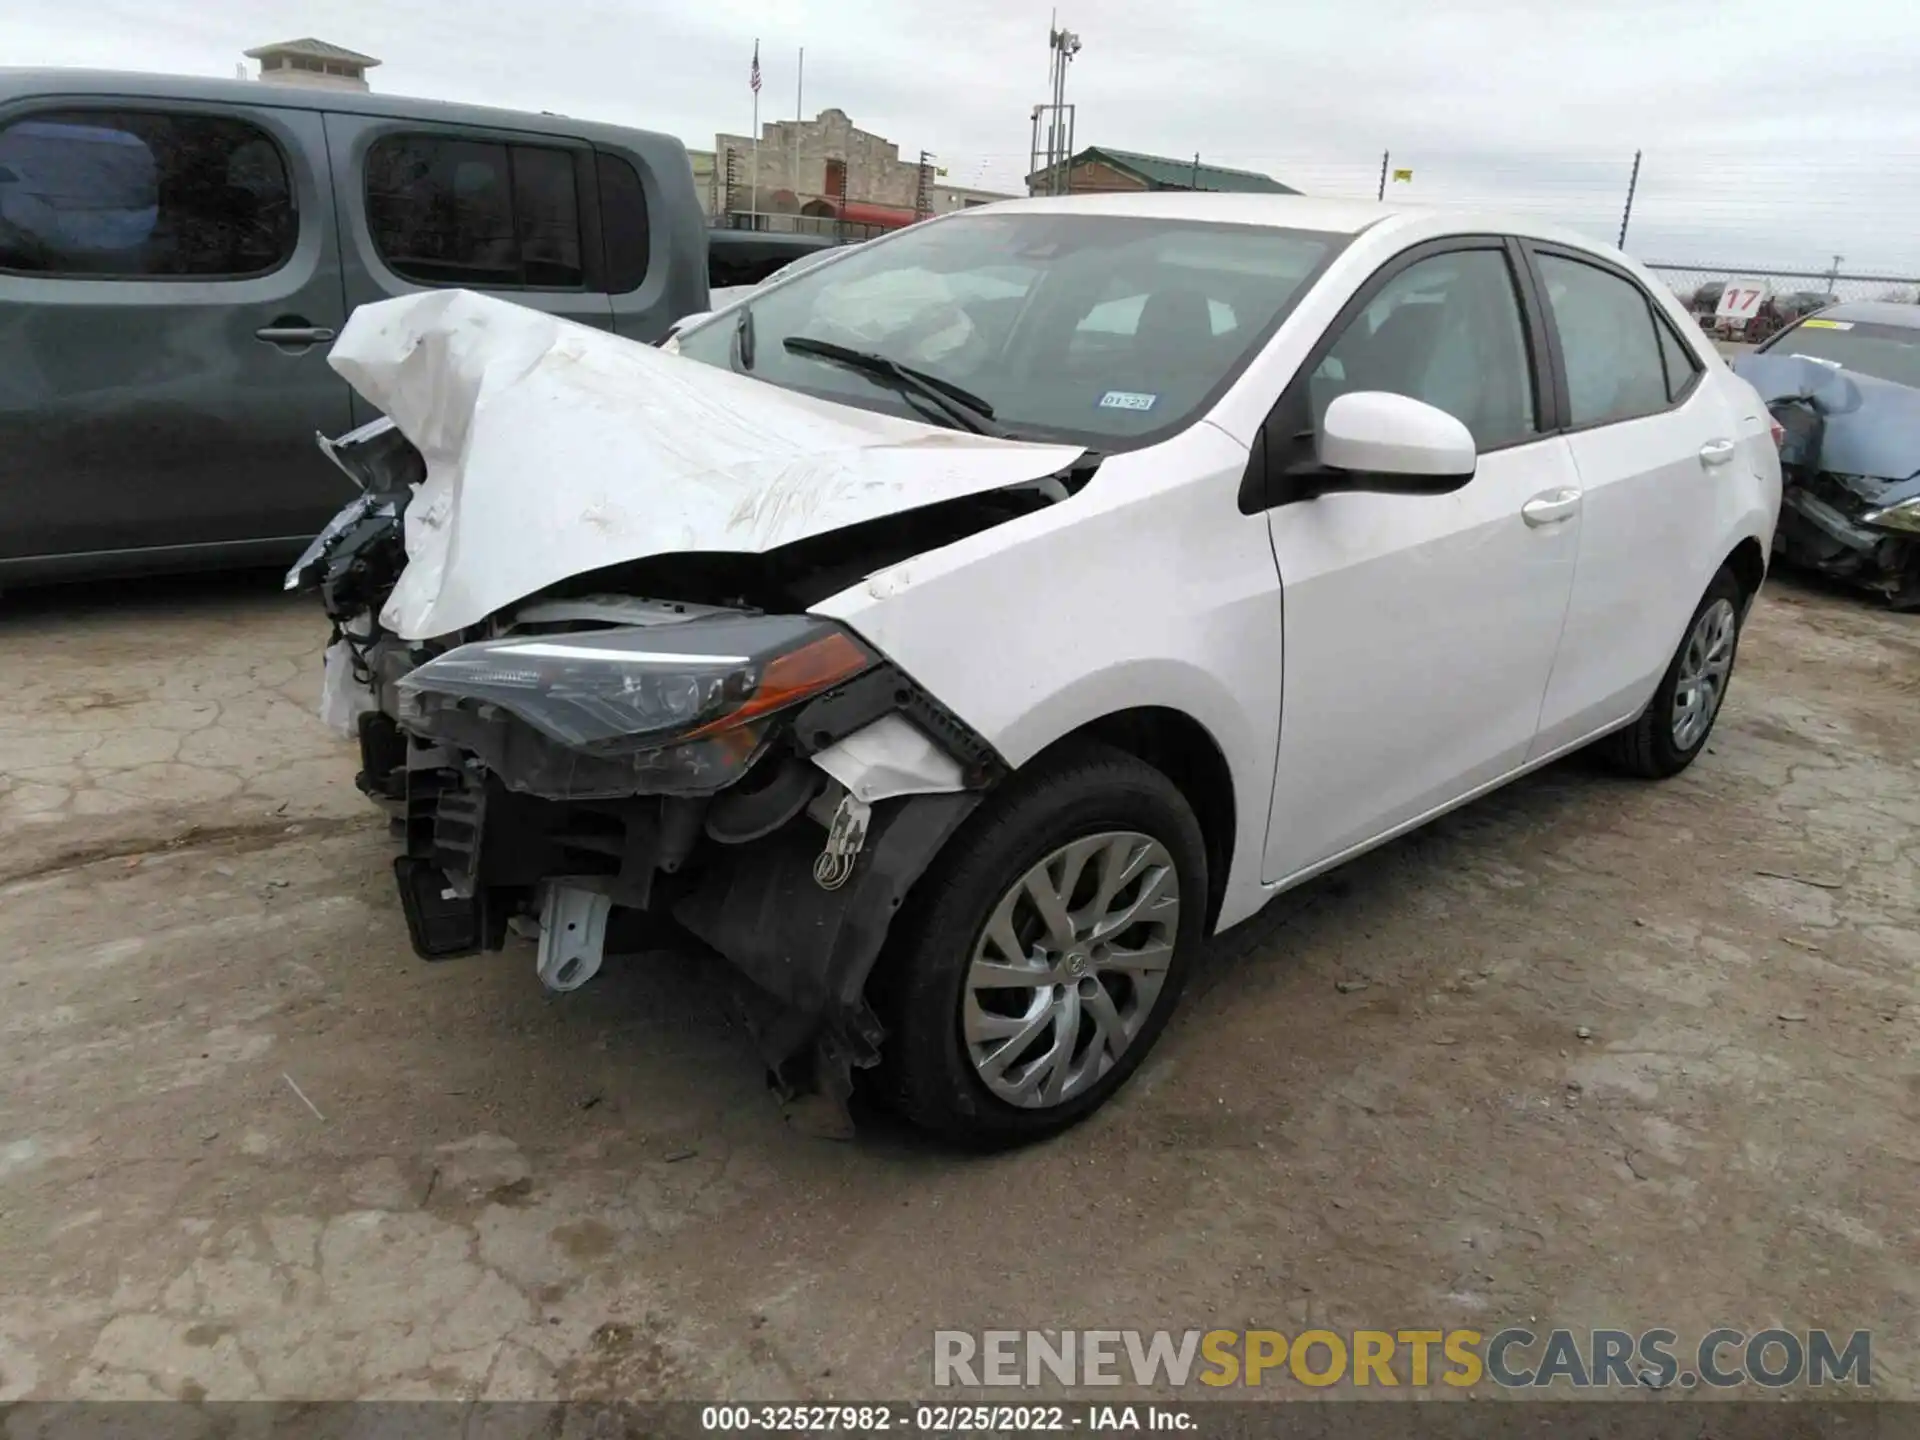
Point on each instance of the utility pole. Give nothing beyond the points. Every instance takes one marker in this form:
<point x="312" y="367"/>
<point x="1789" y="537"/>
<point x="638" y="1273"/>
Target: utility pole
<point x="1054" y="120"/>
<point x="1833" y="276"/>
<point x="1633" y="183"/>
<point x="1194" y="184"/>
<point x="753" y="210"/>
<point x="1384" y="154"/>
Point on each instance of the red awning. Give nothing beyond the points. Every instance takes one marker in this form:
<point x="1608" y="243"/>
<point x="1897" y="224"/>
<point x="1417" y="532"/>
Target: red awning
<point x="859" y="212"/>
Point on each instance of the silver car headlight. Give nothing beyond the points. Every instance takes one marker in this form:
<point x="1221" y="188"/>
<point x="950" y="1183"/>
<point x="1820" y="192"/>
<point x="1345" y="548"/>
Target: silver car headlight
<point x="1903" y="517"/>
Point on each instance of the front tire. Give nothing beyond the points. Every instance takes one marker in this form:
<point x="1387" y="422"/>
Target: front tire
<point x="1674" y="727"/>
<point x="1048" y="948"/>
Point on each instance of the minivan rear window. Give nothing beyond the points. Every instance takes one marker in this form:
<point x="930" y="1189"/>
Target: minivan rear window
<point x="445" y="210"/>
<point x="123" y="194"/>
<point x="623" y="221"/>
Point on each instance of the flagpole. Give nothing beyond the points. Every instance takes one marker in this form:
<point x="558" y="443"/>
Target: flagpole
<point x="753" y="205"/>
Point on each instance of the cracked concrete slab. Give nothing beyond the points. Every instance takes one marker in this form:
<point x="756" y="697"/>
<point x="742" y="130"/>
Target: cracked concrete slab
<point x="249" y="1146"/>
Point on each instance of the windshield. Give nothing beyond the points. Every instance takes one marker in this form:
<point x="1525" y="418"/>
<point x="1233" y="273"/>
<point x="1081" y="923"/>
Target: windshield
<point x="803" y="264"/>
<point x="1886" y="352"/>
<point x="1106" y="330"/>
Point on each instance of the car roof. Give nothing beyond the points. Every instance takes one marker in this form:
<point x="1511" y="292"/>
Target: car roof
<point x="61" y="84"/>
<point x="1303" y="212"/>
<point x="1290" y="212"/>
<point x="1875" y="312"/>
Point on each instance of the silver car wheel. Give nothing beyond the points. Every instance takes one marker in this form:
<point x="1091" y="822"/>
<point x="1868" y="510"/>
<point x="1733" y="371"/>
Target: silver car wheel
<point x="1705" y="664"/>
<point x="1069" y="966"/>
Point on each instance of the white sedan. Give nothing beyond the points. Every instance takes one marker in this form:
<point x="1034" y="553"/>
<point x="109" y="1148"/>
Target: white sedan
<point x="955" y="636"/>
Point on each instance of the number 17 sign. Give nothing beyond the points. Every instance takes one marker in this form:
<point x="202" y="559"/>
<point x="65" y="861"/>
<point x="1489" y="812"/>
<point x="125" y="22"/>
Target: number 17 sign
<point x="1741" y="300"/>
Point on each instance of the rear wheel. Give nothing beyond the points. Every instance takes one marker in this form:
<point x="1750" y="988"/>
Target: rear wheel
<point x="1674" y="727"/>
<point x="1048" y="954"/>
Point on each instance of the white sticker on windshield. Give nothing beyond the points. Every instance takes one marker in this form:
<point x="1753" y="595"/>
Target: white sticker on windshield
<point x="1126" y="400"/>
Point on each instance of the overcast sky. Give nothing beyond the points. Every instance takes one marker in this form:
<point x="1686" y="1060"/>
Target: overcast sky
<point x="1774" y="133"/>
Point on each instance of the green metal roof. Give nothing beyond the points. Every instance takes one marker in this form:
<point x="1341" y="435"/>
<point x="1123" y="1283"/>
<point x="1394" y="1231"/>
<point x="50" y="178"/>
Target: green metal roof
<point x="1162" y="172"/>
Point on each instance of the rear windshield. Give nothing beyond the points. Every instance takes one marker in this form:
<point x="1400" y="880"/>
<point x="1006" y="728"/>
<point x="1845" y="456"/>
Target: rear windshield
<point x="1101" y="329"/>
<point x="1886" y="352"/>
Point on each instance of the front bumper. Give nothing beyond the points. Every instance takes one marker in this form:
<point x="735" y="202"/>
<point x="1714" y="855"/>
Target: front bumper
<point x="1820" y="527"/>
<point x="736" y="872"/>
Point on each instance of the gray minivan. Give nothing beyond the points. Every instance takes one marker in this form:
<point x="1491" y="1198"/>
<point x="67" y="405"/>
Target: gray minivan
<point x="176" y="255"/>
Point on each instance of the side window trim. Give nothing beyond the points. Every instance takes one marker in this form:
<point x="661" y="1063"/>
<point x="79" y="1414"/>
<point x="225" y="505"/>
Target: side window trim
<point x="1664" y="326"/>
<point x="110" y="105"/>
<point x="1535" y="248"/>
<point x="1556" y="406"/>
<point x="586" y="200"/>
<point x="1288" y="426"/>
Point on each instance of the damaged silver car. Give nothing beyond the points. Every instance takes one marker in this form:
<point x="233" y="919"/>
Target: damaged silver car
<point x="1844" y="387"/>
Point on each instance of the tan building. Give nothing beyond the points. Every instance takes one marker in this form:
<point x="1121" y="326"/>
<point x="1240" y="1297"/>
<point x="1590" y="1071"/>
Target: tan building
<point x="824" y="174"/>
<point x="705" y="183"/>
<point x="314" y="63"/>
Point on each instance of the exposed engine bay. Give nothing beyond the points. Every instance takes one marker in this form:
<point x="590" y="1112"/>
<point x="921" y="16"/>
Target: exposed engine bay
<point x="669" y="737"/>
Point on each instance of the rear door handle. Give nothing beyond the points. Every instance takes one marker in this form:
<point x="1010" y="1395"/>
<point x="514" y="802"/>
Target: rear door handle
<point x="294" y="334"/>
<point x="1550" y="507"/>
<point x="1716" y="452"/>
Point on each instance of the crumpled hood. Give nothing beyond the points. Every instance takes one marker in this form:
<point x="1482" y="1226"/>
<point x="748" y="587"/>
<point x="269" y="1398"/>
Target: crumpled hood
<point x="553" y="449"/>
<point x="1872" y="426"/>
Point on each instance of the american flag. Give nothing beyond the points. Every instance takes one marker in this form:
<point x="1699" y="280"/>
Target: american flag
<point x="754" y="77"/>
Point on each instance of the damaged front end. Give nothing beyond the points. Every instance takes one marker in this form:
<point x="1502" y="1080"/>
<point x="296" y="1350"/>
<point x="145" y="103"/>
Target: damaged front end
<point x="587" y="755"/>
<point x="764" y="781"/>
<point x="1850" y="465"/>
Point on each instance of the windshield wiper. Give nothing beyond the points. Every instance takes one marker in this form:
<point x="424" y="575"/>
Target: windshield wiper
<point x="965" y="409"/>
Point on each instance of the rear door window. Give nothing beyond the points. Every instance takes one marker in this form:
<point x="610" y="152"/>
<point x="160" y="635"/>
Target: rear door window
<point x="105" y="194"/>
<point x="1613" y="359"/>
<point x="446" y="210"/>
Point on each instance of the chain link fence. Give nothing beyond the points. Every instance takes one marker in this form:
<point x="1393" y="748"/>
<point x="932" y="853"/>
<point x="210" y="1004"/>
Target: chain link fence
<point x="1786" y="295"/>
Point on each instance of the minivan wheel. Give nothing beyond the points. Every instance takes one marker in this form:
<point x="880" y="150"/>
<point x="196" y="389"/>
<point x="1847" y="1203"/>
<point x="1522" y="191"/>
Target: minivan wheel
<point x="1048" y="950"/>
<point x="1676" y="723"/>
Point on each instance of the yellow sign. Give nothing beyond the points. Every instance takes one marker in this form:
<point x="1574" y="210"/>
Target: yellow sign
<point x="1825" y="325"/>
<point x="1403" y="175"/>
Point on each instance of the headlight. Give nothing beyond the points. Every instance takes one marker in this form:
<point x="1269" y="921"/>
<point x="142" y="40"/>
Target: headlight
<point x="678" y="709"/>
<point x="1903" y="517"/>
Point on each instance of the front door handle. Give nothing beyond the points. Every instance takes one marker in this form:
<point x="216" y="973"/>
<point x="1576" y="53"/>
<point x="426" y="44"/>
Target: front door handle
<point x="294" y="334"/>
<point x="1550" y="507"/>
<point x="1716" y="452"/>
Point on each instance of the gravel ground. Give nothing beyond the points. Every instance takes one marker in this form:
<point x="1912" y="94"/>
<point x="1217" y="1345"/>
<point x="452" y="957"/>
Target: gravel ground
<point x="1625" y="1054"/>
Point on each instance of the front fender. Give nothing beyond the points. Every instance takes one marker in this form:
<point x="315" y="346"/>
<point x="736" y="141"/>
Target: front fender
<point x="1147" y="588"/>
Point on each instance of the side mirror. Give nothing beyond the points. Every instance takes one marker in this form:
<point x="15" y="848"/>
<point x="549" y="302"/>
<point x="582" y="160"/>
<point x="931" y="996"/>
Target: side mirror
<point x="1375" y="440"/>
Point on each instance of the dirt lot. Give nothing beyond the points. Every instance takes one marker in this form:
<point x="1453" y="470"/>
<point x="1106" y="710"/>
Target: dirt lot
<point x="250" y="1146"/>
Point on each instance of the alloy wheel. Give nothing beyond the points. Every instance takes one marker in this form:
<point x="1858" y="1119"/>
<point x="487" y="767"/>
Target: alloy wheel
<point x="1701" y="682"/>
<point x="1069" y="966"/>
